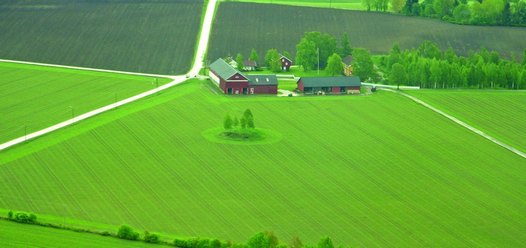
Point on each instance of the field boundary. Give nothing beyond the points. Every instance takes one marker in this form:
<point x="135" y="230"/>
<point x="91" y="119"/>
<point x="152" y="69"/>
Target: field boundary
<point x="461" y="123"/>
<point x="86" y="68"/>
<point x="177" y="79"/>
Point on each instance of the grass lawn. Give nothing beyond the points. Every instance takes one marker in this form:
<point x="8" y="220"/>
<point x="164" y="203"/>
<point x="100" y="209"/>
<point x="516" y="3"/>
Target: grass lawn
<point x="22" y="235"/>
<point x="337" y="4"/>
<point x="35" y="97"/>
<point x="502" y="114"/>
<point x="262" y="30"/>
<point x="128" y="35"/>
<point x="376" y="170"/>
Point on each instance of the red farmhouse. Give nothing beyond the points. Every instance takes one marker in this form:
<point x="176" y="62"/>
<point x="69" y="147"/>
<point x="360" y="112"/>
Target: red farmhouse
<point x="329" y="85"/>
<point x="231" y="81"/>
<point x="285" y="63"/>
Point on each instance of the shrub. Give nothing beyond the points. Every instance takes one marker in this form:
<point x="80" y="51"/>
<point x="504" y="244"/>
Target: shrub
<point x="105" y="233"/>
<point x="126" y="232"/>
<point x="10" y="214"/>
<point x="151" y="238"/>
<point x="179" y="243"/>
<point x="24" y="217"/>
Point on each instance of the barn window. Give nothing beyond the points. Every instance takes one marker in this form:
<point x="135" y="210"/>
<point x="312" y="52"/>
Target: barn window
<point x="282" y="60"/>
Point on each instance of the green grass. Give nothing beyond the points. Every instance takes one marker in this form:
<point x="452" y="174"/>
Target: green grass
<point x="376" y="170"/>
<point x="22" y="235"/>
<point x="129" y="35"/>
<point x="36" y="97"/>
<point x="266" y="26"/>
<point x="502" y="114"/>
<point x="337" y="4"/>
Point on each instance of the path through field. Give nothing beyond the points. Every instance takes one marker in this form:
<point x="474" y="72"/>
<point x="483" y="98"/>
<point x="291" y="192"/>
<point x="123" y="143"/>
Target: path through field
<point x="194" y="71"/>
<point x="471" y="128"/>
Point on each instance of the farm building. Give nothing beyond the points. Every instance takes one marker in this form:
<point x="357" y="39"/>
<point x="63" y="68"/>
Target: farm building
<point x="285" y="63"/>
<point x="249" y="65"/>
<point x="329" y="85"/>
<point x="347" y="65"/>
<point x="231" y="81"/>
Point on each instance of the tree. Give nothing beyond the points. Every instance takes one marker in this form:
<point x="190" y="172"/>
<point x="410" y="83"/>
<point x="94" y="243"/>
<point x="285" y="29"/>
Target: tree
<point x="362" y="64"/>
<point x="270" y="56"/>
<point x="334" y="65"/>
<point x="325" y="242"/>
<point x="10" y="214"/>
<point x="239" y="61"/>
<point x="286" y="54"/>
<point x="345" y="46"/>
<point x="126" y="232"/>
<point x="394" y="56"/>
<point x="462" y="13"/>
<point x="524" y="57"/>
<point x="235" y="122"/>
<point x="430" y="50"/>
<point x="397" y="5"/>
<point x="227" y="123"/>
<point x="151" y="238"/>
<point x="263" y="240"/>
<point x="443" y="7"/>
<point x="397" y="75"/>
<point x="522" y="80"/>
<point x="306" y="54"/>
<point x="324" y="43"/>
<point x="254" y="55"/>
<point x="250" y="122"/>
<point x="243" y="122"/>
<point x="368" y="4"/>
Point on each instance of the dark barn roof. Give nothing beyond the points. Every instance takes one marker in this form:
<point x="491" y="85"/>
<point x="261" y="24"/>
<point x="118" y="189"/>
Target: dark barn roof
<point x="331" y="81"/>
<point x="223" y="69"/>
<point x="262" y="80"/>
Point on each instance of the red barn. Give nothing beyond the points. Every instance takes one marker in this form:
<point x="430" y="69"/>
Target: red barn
<point x="231" y="81"/>
<point x="285" y="63"/>
<point x="329" y="85"/>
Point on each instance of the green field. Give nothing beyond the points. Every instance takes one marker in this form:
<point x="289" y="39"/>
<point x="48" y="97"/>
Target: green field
<point x="337" y="4"/>
<point x="374" y="31"/>
<point x="36" y="97"/>
<point x="129" y="35"/>
<point x="502" y="114"/>
<point x="21" y="235"/>
<point x="375" y="170"/>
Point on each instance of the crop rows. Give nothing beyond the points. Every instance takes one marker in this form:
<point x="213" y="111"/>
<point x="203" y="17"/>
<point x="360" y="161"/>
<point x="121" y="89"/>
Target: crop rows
<point x="368" y="171"/>
<point x="498" y="113"/>
<point x="282" y="27"/>
<point x="131" y="35"/>
<point x="35" y="97"/>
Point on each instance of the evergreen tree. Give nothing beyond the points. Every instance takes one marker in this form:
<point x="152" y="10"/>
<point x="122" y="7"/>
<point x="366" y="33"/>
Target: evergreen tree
<point x="325" y="242"/>
<point x="345" y="46"/>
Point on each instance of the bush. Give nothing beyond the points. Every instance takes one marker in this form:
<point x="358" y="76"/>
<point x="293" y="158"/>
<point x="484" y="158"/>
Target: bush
<point x="179" y="243"/>
<point x="151" y="238"/>
<point x="24" y="217"/>
<point x="105" y="233"/>
<point x="126" y="232"/>
<point x="10" y="214"/>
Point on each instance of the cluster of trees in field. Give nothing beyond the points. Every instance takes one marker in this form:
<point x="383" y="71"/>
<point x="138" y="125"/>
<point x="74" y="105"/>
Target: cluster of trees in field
<point x="430" y="67"/>
<point x="501" y="12"/>
<point x="315" y="48"/>
<point x="272" y="59"/>
<point x="246" y="121"/>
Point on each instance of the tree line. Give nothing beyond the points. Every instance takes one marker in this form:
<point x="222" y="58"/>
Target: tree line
<point x="429" y="67"/>
<point x="477" y="12"/>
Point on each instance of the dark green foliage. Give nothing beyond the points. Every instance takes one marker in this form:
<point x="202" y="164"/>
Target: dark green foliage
<point x="325" y="242"/>
<point x="397" y="75"/>
<point x="324" y="43"/>
<point x="263" y="240"/>
<point x="334" y="65"/>
<point x="10" y="214"/>
<point x="362" y="64"/>
<point x="235" y="122"/>
<point x="373" y="31"/>
<point x="124" y="35"/>
<point x="272" y="60"/>
<point x="227" y="122"/>
<point x="151" y="238"/>
<point x="524" y="57"/>
<point x="126" y="232"/>
<point x="345" y="46"/>
<point x="23" y="217"/>
<point x="306" y="54"/>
